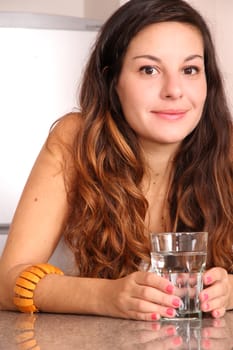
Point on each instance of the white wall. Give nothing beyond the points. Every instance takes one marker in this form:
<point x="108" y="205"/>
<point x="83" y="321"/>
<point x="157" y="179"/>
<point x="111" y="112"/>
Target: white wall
<point x="219" y="17"/>
<point x="224" y="42"/>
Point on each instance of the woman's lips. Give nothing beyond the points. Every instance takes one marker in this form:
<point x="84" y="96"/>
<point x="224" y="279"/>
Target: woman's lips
<point x="170" y="114"/>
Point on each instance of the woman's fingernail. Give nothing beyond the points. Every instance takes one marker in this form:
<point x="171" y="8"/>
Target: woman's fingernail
<point x="208" y="280"/>
<point x="176" y="302"/>
<point x="216" y="313"/>
<point x="204" y="297"/>
<point x="154" y="317"/>
<point x="169" y="288"/>
<point x="206" y="306"/>
<point x="170" y="312"/>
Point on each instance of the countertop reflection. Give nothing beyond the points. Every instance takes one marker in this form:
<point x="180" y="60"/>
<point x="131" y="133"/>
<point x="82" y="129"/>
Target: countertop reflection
<point x="56" y="331"/>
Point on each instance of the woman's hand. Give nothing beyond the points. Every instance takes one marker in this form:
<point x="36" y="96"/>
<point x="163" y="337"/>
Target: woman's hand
<point x="141" y="296"/>
<point x="216" y="295"/>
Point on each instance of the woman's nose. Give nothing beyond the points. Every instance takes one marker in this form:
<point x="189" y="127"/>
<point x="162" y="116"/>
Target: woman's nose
<point x="171" y="87"/>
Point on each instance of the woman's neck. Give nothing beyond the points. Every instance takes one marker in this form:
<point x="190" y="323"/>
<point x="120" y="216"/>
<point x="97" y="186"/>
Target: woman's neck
<point x="158" y="160"/>
<point x="156" y="183"/>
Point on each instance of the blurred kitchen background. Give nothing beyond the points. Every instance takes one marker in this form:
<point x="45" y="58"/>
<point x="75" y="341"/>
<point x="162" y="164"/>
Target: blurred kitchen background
<point x="44" y="45"/>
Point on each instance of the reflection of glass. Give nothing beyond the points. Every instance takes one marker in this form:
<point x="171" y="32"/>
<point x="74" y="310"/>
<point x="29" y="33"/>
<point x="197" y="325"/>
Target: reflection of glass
<point x="181" y="257"/>
<point x="67" y="332"/>
<point x="197" y="334"/>
<point x="190" y="332"/>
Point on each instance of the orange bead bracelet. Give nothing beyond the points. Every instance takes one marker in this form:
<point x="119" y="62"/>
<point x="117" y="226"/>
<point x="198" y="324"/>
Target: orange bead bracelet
<point x="26" y="284"/>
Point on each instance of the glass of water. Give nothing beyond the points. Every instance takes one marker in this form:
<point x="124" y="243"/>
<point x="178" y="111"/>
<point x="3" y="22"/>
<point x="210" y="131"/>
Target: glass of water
<point x="181" y="258"/>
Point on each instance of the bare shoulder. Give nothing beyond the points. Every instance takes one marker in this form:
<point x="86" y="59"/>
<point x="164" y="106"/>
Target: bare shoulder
<point x="63" y="133"/>
<point x="66" y="127"/>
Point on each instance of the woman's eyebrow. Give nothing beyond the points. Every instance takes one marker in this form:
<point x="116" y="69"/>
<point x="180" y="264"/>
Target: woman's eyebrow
<point x="150" y="57"/>
<point x="156" y="59"/>
<point x="192" y="57"/>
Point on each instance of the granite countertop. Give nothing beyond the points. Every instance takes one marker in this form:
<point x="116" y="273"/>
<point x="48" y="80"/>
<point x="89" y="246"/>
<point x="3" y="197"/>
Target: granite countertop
<point x="56" y="331"/>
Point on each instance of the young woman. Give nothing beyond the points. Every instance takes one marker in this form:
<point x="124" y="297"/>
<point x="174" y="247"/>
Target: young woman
<point x="150" y="150"/>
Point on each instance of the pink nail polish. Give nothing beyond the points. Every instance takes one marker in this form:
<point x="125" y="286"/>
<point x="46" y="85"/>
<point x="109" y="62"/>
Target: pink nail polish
<point x="216" y="314"/>
<point x="176" y="302"/>
<point x="154" y="317"/>
<point x="208" y="280"/>
<point x="170" y="312"/>
<point x="204" y="297"/>
<point x="169" y="288"/>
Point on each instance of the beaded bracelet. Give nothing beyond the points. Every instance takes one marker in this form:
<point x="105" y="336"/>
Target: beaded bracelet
<point x="26" y="284"/>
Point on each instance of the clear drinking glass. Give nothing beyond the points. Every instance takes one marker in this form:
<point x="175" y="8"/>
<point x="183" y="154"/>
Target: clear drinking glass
<point x="181" y="258"/>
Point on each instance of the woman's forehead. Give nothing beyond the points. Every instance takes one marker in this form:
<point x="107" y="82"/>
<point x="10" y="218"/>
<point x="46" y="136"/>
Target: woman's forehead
<point x="167" y="36"/>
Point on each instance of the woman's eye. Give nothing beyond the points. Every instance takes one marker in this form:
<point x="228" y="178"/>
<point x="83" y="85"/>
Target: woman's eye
<point x="149" y="70"/>
<point x="191" y="70"/>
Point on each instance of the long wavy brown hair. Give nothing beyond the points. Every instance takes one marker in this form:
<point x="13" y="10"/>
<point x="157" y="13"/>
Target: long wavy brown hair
<point x="105" y="228"/>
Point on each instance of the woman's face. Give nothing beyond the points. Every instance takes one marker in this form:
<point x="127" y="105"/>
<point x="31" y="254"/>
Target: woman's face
<point x="162" y="84"/>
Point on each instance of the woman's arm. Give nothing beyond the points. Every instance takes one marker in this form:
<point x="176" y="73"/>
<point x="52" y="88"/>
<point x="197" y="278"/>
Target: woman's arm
<point x="34" y="233"/>
<point x="41" y="213"/>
